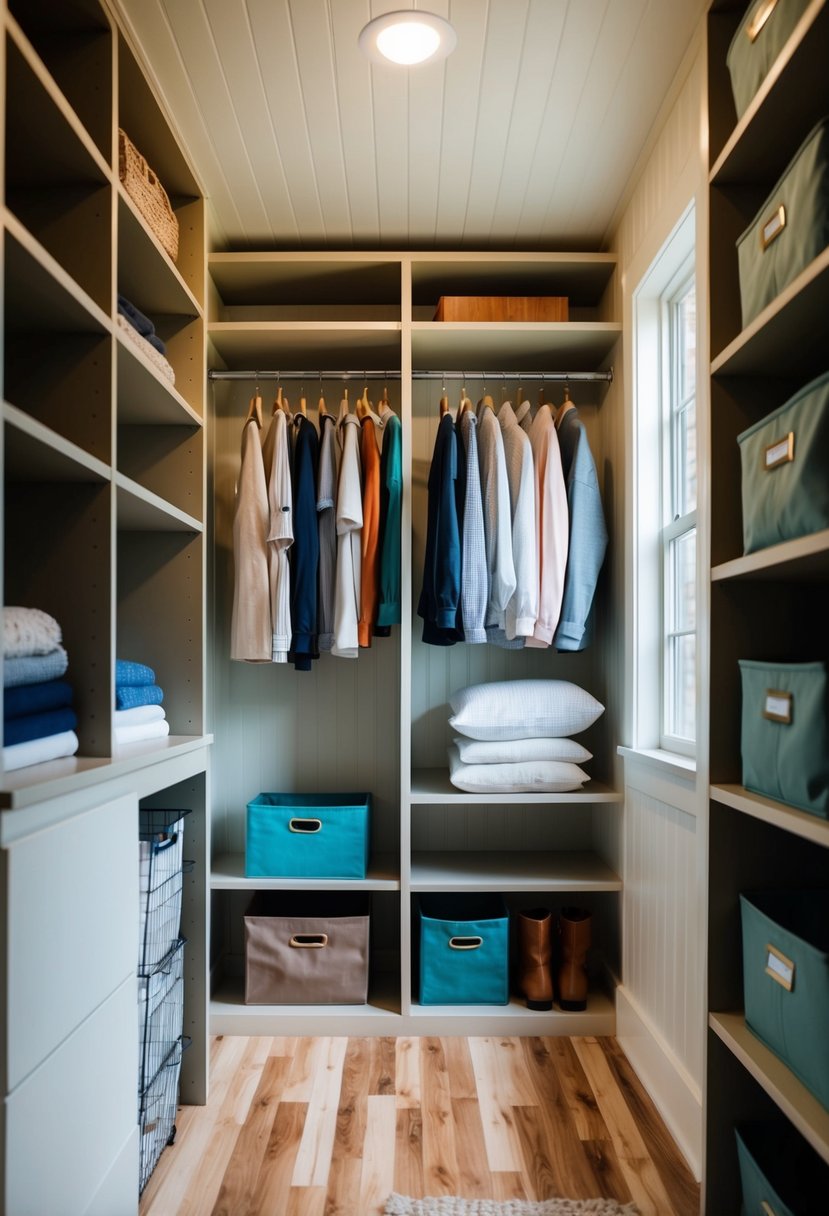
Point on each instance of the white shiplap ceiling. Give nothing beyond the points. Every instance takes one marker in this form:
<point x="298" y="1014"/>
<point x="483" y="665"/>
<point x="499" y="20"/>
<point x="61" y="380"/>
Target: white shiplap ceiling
<point x="524" y="138"/>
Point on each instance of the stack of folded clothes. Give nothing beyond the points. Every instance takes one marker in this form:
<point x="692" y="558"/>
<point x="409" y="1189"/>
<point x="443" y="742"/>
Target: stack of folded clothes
<point x="140" y="330"/>
<point x="513" y="736"/>
<point x="138" y="711"/>
<point x="39" y="722"/>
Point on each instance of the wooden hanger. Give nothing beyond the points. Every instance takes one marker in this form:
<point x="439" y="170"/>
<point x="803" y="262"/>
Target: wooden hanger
<point x="255" y="410"/>
<point x="444" y="405"/>
<point x="303" y="407"/>
<point x="277" y="401"/>
<point x="566" y="405"/>
<point x="465" y="403"/>
<point x="322" y="408"/>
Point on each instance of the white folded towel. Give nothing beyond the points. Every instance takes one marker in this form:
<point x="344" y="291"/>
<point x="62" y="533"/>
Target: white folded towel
<point x="28" y="631"/>
<point x="38" y="751"/>
<point x="143" y="730"/>
<point x="138" y="715"/>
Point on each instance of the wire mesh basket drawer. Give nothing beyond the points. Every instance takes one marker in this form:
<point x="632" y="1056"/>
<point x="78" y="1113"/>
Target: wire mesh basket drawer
<point x="779" y="1172"/>
<point x="160" y="870"/>
<point x="464" y="949"/>
<point x="160" y="1013"/>
<point x="307" y="948"/>
<point x="308" y="836"/>
<point x="157" y="1113"/>
<point x="786" y="979"/>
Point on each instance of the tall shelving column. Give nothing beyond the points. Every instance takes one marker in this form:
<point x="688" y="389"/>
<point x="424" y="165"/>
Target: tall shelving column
<point x="772" y="604"/>
<point x="103" y="478"/>
<point x="529" y="847"/>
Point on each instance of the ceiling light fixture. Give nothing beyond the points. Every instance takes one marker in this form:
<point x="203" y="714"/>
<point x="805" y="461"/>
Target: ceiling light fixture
<point x="407" y="38"/>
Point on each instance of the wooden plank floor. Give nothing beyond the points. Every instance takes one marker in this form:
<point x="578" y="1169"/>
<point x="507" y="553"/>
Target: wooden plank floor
<point x="330" y="1126"/>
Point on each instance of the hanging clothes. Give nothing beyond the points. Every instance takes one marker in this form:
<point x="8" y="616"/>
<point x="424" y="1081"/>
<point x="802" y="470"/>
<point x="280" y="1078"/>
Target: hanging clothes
<point x="474" y="581"/>
<point x="588" y="533"/>
<point x="552" y="520"/>
<point x="305" y="550"/>
<point x="277" y="464"/>
<point x="438" y="604"/>
<point x="522" y="608"/>
<point x="349" y="527"/>
<point x="250" y="625"/>
<point x="391" y="502"/>
<point x="327" y="529"/>
<point x="497" y="519"/>
<point x="370" y="536"/>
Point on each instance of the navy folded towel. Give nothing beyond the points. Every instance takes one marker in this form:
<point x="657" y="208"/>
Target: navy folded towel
<point x="129" y="673"/>
<point x="38" y="726"/>
<point x="128" y="696"/>
<point x="141" y="323"/>
<point x="35" y="698"/>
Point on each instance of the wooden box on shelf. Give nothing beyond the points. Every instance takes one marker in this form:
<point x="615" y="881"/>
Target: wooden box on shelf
<point x="502" y="308"/>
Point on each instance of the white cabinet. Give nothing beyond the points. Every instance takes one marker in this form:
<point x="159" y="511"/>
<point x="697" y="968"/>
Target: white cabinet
<point x="68" y="1122"/>
<point x="72" y="894"/>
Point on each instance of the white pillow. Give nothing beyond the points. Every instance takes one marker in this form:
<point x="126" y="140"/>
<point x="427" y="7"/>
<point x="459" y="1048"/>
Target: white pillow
<point x="523" y="709"/>
<point x="514" y="751"/>
<point x="533" y="777"/>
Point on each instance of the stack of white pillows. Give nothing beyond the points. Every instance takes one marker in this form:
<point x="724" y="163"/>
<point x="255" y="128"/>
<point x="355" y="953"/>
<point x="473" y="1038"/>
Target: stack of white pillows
<point x="513" y="736"/>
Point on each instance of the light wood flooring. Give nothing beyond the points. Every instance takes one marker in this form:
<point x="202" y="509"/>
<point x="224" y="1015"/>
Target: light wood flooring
<point x="330" y="1126"/>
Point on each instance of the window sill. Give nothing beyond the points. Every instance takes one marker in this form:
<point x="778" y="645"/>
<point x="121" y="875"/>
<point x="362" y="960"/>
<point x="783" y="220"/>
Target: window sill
<point x="661" y="761"/>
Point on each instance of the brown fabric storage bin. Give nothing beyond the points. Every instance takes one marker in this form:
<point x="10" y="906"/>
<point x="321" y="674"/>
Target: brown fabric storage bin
<point x="307" y="948"/>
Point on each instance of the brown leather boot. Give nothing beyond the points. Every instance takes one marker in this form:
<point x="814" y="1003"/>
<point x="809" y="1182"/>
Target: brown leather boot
<point x="535" y="948"/>
<point x="574" y="940"/>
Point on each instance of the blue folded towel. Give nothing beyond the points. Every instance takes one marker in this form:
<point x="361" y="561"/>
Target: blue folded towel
<point x="141" y="323"/>
<point x="127" y="696"/>
<point x="128" y="673"/>
<point x="38" y="726"/>
<point x="35" y="668"/>
<point x="35" y="698"/>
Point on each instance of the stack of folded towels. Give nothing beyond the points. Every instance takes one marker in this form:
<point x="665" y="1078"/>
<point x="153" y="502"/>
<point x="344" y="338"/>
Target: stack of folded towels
<point x="138" y="712"/>
<point x="39" y="722"/>
<point x="513" y="736"/>
<point x="140" y="330"/>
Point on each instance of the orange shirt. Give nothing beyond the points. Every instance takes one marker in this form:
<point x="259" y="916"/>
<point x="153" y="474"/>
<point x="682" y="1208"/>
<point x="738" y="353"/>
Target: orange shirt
<point x="370" y="568"/>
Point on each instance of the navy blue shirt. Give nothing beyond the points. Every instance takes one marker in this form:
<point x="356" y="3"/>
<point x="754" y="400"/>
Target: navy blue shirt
<point x="440" y="595"/>
<point x="305" y="551"/>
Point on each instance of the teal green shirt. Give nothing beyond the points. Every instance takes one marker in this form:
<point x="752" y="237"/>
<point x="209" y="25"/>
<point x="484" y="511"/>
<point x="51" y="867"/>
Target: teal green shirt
<point x="391" y="493"/>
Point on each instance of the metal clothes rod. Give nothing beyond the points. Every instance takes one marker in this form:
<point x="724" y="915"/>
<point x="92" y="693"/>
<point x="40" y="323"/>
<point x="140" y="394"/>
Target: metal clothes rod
<point x="472" y="374"/>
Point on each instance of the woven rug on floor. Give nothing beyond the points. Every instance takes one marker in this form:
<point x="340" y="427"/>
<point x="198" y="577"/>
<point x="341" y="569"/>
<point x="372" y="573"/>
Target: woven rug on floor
<point x="451" y="1205"/>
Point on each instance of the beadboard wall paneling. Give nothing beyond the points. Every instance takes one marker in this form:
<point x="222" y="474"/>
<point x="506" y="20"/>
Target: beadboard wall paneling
<point x="524" y="137"/>
<point x="661" y="921"/>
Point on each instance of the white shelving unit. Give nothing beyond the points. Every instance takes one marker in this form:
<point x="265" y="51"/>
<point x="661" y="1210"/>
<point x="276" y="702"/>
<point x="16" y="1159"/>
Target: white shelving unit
<point x="104" y="496"/>
<point x="771" y="604"/>
<point x="379" y="723"/>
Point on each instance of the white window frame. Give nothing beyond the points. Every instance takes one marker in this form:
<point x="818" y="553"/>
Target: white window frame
<point x="667" y="270"/>
<point x="674" y="524"/>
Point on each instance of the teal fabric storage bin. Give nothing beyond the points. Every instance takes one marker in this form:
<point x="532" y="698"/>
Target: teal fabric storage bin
<point x="785" y="460"/>
<point x="779" y="1169"/>
<point x="760" y="37"/>
<point x="786" y="979"/>
<point x="308" y="836"/>
<point x="464" y="949"/>
<point x="790" y="229"/>
<point x="784" y="734"/>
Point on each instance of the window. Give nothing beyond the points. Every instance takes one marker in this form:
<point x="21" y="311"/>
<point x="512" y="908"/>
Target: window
<point x="664" y="498"/>
<point x="678" y="538"/>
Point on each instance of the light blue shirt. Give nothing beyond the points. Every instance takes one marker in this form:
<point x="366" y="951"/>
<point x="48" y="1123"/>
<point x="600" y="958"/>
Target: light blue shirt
<point x="588" y="534"/>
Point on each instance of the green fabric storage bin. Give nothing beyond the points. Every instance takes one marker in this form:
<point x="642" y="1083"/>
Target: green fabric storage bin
<point x="785" y="733"/>
<point x="790" y="229"/>
<point x="464" y="949"/>
<point x="785" y="469"/>
<point x="307" y="836"/>
<point x="761" y="35"/>
<point x="786" y="979"/>
<point x="307" y="948"/>
<point x="780" y="1170"/>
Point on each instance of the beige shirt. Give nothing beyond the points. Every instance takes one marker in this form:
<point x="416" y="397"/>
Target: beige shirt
<point x="552" y="520"/>
<point x="250" y="625"/>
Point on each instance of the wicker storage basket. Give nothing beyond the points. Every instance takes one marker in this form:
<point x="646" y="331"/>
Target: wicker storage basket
<point x="148" y="194"/>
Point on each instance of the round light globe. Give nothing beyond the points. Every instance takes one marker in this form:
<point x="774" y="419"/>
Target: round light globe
<point x="407" y="38"/>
